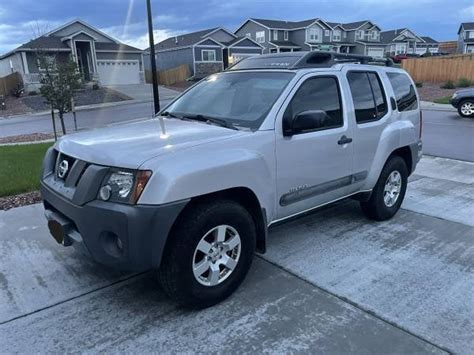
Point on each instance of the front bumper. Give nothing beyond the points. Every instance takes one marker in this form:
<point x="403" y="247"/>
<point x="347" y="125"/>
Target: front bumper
<point x="128" y="237"/>
<point x="454" y="102"/>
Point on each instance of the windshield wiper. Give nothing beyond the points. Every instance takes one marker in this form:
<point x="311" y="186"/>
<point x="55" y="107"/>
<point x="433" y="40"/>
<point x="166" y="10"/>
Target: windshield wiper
<point x="217" y="121"/>
<point x="169" y="114"/>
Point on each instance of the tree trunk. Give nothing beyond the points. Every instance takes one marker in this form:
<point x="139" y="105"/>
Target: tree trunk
<point x="61" y="118"/>
<point x="54" y="125"/>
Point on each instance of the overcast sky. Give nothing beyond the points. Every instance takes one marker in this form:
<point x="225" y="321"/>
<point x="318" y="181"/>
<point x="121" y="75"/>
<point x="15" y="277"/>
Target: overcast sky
<point x="22" y="20"/>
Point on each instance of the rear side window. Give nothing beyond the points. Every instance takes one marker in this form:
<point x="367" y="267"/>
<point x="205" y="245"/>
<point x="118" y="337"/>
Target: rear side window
<point x="320" y="93"/>
<point x="404" y="91"/>
<point x="368" y="96"/>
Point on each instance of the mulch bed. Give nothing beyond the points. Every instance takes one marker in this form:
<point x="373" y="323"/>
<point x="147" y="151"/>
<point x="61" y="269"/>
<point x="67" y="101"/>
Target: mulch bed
<point x="25" y="138"/>
<point x="35" y="103"/>
<point x="432" y="91"/>
<point x="24" y="199"/>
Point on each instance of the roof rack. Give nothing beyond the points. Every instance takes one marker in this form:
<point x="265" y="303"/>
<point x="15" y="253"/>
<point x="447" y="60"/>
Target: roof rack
<point x="301" y="60"/>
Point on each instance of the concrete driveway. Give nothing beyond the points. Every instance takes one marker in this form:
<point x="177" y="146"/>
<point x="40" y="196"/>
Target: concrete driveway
<point x="143" y="92"/>
<point x="331" y="282"/>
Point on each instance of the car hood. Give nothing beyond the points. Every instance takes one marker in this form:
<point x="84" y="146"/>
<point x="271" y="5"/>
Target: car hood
<point x="469" y="91"/>
<point x="131" y="144"/>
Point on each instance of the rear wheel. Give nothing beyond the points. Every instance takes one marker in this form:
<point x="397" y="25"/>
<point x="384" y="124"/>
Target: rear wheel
<point x="389" y="192"/>
<point x="466" y="108"/>
<point x="209" y="253"/>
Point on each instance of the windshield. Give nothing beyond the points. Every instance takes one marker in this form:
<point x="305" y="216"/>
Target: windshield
<point x="240" y="98"/>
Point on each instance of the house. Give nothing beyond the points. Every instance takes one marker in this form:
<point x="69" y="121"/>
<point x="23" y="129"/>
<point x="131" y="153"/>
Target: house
<point x="403" y="40"/>
<point x="362" y="37"/>
<point x="466" y="38"/>
<point x="98" y="56"/>
<point x="205" y="52"/>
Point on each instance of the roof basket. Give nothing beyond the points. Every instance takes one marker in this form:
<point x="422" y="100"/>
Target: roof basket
<point x="328" y="59"/>
<point x="300" y="60"/>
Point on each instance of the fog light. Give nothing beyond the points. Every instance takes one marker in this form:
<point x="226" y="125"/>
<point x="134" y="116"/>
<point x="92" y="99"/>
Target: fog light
<point x="105" y="192"/>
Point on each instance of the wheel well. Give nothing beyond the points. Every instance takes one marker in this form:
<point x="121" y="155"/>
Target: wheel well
<point x="249" y="200"/>
<point x="405" y="154"/>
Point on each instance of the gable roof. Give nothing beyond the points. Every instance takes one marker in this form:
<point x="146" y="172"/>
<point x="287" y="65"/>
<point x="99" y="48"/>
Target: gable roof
<point x="187" y="39"/>
<point x="84" y="24"/>
<point x="284" y="25"/>
<point x="467" y="26"/>
<point x="428" y="39"/>
<point x="390" y="36"/>
<point x="354" y="25"/>
<point x="45" y="43"/>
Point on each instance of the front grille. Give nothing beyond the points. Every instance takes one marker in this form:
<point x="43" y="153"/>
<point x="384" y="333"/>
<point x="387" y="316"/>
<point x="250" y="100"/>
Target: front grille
<point x="64" y="164"/>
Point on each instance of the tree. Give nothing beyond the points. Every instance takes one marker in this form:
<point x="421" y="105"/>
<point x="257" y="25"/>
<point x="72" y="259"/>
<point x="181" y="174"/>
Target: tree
<point x="59" y="80"/>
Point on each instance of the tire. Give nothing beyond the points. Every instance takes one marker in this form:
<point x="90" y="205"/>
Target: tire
<point x="466" y="108"/>
<point x="378" y="207"/>
<point x="183" y="253"/>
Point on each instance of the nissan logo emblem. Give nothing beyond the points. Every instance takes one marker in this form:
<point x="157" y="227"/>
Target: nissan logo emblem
<point x="63" y="168"/>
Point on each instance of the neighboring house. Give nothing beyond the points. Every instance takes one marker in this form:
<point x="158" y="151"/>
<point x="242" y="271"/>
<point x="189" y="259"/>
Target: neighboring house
<point x="466" y="38"/>
<point x="205" y="52"/>
<point x="362" y="37"/>
<point x="98" y="56"/>
<point x="403" y="40"/>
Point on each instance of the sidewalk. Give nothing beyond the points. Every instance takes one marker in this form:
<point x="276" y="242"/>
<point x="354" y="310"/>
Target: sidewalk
<point x="139" y="93"/>
<point x="427" y="105"/>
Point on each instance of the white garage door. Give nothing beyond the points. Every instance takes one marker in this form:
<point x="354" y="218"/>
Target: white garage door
<point x="118" y="72"/>
<point x="375" y="52"/>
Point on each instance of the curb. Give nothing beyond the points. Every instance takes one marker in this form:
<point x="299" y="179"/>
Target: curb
<point x="25" y="143"/>
<point x="426" y="105"/>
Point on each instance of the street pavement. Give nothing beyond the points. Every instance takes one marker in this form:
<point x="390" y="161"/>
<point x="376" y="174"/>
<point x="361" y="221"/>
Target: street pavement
<point x="445" y="133"/>
<point x="331" y="282"/>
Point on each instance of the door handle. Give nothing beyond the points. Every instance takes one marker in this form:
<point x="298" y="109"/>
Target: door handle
<point x="344" y="140"/>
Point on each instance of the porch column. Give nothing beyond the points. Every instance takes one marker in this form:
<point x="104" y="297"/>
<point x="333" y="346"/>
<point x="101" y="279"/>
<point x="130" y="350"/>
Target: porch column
<point x="25" y="63"/>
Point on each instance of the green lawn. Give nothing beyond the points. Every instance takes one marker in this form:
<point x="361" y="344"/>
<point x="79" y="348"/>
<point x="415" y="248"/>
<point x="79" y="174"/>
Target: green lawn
<point x="20" y="167"/>
<point x="442" y="100"/>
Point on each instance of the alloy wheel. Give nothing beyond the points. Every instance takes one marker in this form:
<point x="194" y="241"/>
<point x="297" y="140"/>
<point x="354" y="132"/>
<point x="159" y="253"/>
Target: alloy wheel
<point x="392" y="188"/>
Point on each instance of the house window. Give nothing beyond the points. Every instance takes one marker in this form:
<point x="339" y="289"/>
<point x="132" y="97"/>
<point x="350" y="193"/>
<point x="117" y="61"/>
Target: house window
<point x="344" y="34"/>
<point x="336" y="35"/>
<point x="249" y="35"/>
<point x="314" y="34"/>
<point x="208" y="55"/>
<point x="49" y="59"/>
<point x="285" y="35"/>
<point x="470" y="34"/>
<point x="275" y="35"/>
<point x="260" y="36"/>
<point x="327" y="33"/>
<point x="360" y="34"/>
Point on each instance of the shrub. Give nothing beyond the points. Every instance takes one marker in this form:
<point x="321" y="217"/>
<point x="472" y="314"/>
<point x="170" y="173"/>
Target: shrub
<point x="448" y="85"/>
<point x="419" y="85"/>
<point x="32" y="93"/>
<point x="463" y="83"/>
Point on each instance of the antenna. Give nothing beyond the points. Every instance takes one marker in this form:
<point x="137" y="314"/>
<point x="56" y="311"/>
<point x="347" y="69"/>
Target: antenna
<point x="156" y="98"/>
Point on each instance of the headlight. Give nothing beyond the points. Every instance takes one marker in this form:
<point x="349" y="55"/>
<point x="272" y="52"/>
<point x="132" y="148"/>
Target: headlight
<point x="124" y="186"/>
<point x="455" y="95"/>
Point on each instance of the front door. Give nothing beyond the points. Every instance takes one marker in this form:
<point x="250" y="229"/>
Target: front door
<point x="314" y="166"/>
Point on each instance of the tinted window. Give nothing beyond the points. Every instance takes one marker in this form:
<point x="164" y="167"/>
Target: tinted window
<point x="318" y="94"/>
<point x="367" y="95"/>
<point x="379" y="95"/>
<point x="404" y="91"/>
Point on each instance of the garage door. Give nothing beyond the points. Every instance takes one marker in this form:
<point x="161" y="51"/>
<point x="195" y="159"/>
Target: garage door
<point x="118" y="72"/>
<point x="375" y="52"/>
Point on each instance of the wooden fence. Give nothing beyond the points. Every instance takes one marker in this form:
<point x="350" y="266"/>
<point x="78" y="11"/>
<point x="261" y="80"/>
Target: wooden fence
<point x="442" y="68"/>
<point x="9" y="82"/>
<point x="170" y="76"/>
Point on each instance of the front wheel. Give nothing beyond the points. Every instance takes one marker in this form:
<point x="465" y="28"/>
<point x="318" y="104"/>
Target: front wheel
<point x="466" y="108"/>
<point x="387" y="195"/>
<point x="209" y="253"/>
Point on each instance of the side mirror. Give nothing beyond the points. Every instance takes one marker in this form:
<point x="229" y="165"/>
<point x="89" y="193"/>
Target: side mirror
<point x="306" y="121"/>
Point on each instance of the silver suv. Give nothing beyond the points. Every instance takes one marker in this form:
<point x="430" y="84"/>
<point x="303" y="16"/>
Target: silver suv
<point x="271" y="138"/>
